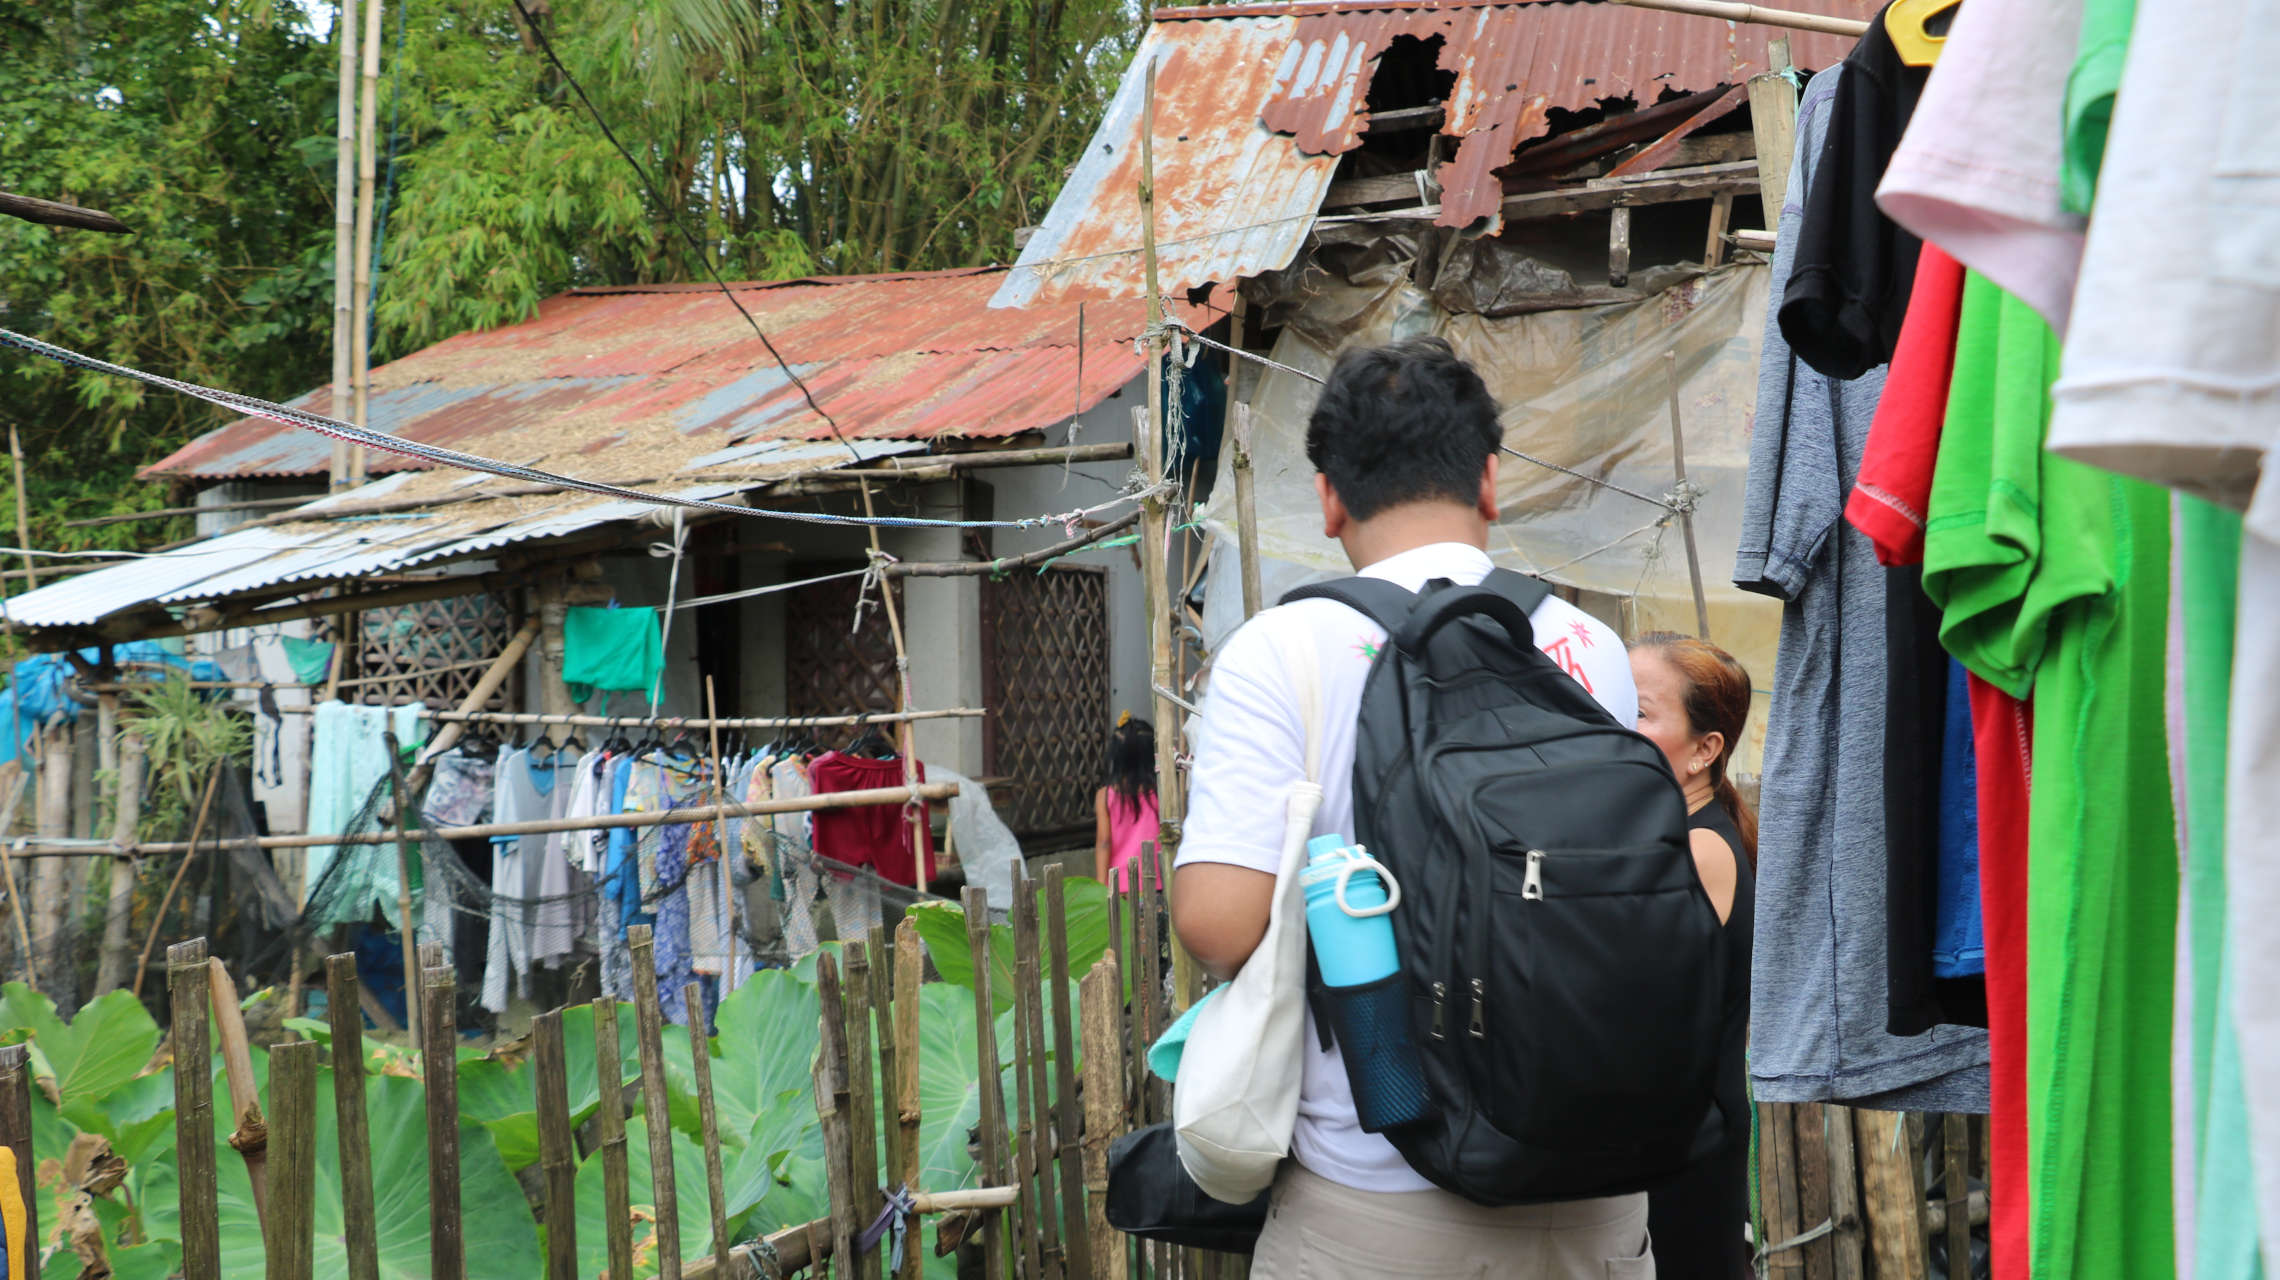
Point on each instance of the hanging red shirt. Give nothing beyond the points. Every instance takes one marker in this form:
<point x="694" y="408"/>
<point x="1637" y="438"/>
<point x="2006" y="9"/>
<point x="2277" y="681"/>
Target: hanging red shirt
<point x="2002" y="734"/>
<point x="1895" y="485"/>
<point x="876" y="835"/>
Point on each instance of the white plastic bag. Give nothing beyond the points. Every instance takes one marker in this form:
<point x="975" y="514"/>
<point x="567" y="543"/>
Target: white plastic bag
<point x="1236" y="1100"/>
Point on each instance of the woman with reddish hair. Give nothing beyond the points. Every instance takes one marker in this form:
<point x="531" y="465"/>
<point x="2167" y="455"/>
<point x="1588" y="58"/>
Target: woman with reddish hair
<point x="1694" y="700"/>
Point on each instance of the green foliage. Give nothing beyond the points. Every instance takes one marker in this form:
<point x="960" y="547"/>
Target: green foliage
<point x="99" y="1066"/>
<point x="185" y="736"/>
<point x="942" y="927"/>
<point x="788" y="136"/>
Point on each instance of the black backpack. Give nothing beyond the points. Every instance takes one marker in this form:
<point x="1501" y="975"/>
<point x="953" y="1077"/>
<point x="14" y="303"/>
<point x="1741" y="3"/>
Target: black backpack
<point x="1564" y="978"/>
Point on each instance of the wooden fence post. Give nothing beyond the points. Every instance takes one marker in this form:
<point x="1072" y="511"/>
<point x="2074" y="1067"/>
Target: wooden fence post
<point x="1076" y="1252"/>
<point x="997" y="1256"/>
<point x="16" y="1131"/>
<point x="862" y="1112"/>
<point x="1030" y="1008"/>
<point x="708" y="1121"/>
<point x="557" y="1153"/>
<point x="832" y="1104"/>
<point x="190" y="991"/>
<point x="617" y="1191"/>
<point x="649" y="1030"/>
<point x="1889" y="1189"/>
<point x="118" y="942"/>
<point x="910" y="960"/>
<point x="250" y="1137"/>
<point x="1844" y="1193"/>
<point x="1809" y="1132"/>
<point x="291" y="1234"/>
<point x="1103" y="1001"/>
<point x="359" y="1225"/>
<point x="439" y="1065"/>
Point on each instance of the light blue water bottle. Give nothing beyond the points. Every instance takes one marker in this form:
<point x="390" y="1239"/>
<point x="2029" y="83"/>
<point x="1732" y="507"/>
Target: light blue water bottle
<point x="1346" y="910"/>
<point x="1350" y="898"/>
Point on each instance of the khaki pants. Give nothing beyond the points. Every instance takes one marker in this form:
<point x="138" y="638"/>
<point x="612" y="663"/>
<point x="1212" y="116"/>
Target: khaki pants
<point x="1319" y="1230"/>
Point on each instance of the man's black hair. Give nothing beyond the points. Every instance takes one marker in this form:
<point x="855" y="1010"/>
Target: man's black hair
<point x="1406" y="422"/>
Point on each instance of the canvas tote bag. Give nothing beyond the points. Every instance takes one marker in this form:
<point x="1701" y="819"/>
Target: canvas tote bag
<point x="1236" y="1099"/>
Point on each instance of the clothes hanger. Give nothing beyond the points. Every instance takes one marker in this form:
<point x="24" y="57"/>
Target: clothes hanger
<point x="1905" y="21"/>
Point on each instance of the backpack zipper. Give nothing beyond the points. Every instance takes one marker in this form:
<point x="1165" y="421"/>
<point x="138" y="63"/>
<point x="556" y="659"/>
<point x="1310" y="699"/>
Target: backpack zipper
<point x="1440" y="999"/>
<point x="1532" y="888"/>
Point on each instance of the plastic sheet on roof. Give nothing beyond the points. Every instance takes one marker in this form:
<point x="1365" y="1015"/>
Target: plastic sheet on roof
<point x="1588" y="388"/>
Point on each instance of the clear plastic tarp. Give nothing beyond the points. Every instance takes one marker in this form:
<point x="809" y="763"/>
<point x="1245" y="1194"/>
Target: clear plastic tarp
<point x="1589" y="388"/>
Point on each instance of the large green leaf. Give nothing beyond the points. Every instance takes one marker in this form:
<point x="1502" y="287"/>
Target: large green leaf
<point x="769" y="1028"/>
<point x="133" y="1117"/>
<point x="689" y="1189"/>
<point x="501" y="1235"/>
<point x="502" y="1096"/>
<point x="107" y="1044"/>
<point x="942" y="927"/>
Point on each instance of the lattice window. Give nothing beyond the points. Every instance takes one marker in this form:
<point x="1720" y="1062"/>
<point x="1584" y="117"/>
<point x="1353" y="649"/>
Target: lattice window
<point x="432" y="653"/>
<point x="832" y="668"/>
<point x="1045" y="665"/>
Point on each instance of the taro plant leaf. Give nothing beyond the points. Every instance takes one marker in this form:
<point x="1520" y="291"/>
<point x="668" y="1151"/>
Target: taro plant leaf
<point x="134" y="1117"/>
<point x="495" y="1216"/>
<point x="689" y="1189"/>
<point x="768" y="1034"/>
<point x="949" y="1092"/>
<point x="508" y="1108"/>
<point x="106" y="1045"/>
<point x="942" y="926"/>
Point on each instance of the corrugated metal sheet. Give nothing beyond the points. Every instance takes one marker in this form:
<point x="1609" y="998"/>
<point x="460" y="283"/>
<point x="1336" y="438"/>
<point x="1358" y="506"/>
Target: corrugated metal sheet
<point x="1233" y="198"/>
<point x="633" y="382"/>
<point x="256" y="560"/>
<point x="1253" y="111"/>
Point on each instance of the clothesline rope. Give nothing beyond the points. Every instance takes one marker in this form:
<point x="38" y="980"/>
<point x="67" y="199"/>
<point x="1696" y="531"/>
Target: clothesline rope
<point x="333" y="428"/>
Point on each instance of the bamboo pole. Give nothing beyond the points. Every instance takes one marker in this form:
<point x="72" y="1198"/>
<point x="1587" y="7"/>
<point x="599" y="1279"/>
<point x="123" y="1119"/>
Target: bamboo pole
<point x="1103" y="1002"/>
<point x="996" y="1254"/>
<point x="904" y="734"/>
<point x="439" y="1065"/>
<point x="1844" y="1194"/>
<point x="793" y="1249"/>
<point x="16" y="1129"/>
<point x="617" y="1190"/>
<point x="1686" y="511"/>
<point x="367" y="139"/>
<point x="910" y="960"/>
<point x="118" y="938"/>
<point x="668" y="724"/>
<point x="359" y="1224"/>
<point x="1809" y="1133"/>
<point x="831" y="1106"/>
<point x="1155" y="535"/>
<point x="1732" y="12"/>
<point x="291" y="1240"/>
<point x="708" y="1119"/>
<point x="880" y="957"/>
<point x="501" y="667"/>
<point x="191" y="992"/>
<point x="344" y="235"/>
<point x="1246" y="513"/>
<point x="407" y="930"/>
<point x="190" y="855"/>
<point x="1955" y="1147"/>
<point x="547" y="826"/>
<point x="23" y="510"/>
<point x="728" y="890"/>
<point x="18" y="780"/>
<point x="251" y="1135"/>
<point x="1004" y="564"/>
<point x="557" y="1150"/>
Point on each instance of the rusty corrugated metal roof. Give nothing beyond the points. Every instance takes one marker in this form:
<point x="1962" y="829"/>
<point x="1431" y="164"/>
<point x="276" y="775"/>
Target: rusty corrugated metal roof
<point x="640" y="380"/>
<point x="1255" y="103"/>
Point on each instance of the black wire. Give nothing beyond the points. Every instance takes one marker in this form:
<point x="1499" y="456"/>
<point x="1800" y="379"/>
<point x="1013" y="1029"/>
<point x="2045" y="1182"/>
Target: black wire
<point x="665" y="206"/>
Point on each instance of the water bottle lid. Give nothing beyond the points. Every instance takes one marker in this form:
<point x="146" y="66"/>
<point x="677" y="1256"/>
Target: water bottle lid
<point x="1321" y="847"/>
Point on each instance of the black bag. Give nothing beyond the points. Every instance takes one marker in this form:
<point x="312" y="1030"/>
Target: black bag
<point x="1150" y="1195"/>
<point x="1565" y="986"/>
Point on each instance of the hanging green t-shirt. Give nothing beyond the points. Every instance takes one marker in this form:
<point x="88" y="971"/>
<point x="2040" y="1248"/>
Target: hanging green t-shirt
<point x="614" y="649"/>
<point x="2053" y="581"/>
<point x="2090" y="91"/>
<point x="2225" y="1231"/>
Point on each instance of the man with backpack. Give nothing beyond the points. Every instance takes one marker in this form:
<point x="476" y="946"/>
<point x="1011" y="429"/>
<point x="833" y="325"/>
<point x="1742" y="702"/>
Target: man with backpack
<point x="1554" y="944"/>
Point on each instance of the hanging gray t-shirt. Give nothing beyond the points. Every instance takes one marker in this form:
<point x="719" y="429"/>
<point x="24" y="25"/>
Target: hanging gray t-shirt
<point x="1817" y="980"/>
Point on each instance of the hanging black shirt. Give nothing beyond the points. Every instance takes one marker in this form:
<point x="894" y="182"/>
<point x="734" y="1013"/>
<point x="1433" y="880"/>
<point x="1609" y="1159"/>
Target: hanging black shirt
<point x="1849" y="289"/>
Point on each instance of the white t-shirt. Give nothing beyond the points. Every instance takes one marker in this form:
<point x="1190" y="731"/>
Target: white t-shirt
<point x="1250" y="748"/>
